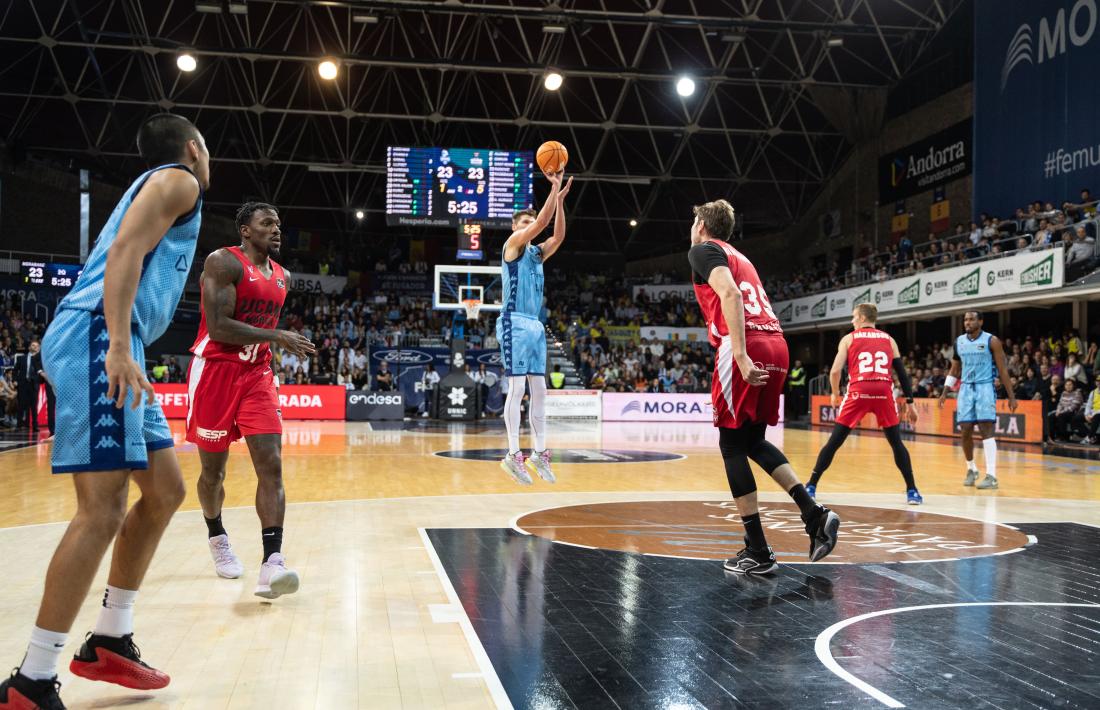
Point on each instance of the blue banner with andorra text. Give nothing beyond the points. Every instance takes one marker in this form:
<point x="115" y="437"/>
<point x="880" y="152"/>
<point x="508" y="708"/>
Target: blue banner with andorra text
<point x="1036" y="107"/>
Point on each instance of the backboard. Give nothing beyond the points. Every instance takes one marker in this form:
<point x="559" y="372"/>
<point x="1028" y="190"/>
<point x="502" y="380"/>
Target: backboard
<point x="454" y="284"/>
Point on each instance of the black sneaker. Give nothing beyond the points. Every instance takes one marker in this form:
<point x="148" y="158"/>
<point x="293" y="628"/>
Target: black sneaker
<point x="752" y="562"/>
<point x="822" y="528"/>
<point x="21" y="693"/>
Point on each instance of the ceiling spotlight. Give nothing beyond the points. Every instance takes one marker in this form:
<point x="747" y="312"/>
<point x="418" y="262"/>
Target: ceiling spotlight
<point x="360" y="214"/>
<point x="186" y="62"/>
<point x="213" y="7"/>
<point x="238" y="7"/>
<point x="733" y="37"/>
<point x="552" y="82"/>
<point x="835" y="42"/>
<point x="364" y="18"/>
<point x="685" y="86"/>
<point x="327" y="70"/>
<point x="633" y="223"/>
<point x="554" y="29"/>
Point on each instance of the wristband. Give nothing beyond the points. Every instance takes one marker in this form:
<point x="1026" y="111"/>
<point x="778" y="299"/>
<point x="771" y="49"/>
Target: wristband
<point x="950" y="381"/>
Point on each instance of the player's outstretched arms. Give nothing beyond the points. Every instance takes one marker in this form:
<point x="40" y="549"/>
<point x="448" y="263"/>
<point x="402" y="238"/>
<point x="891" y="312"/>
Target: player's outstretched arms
<point x="552" y="244"/>
<point x="522" y="237"/>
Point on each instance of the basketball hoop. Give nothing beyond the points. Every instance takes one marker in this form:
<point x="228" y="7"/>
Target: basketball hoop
<point x="472" y="306"/>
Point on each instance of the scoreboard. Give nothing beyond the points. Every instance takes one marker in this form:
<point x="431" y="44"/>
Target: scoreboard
<point x="50" y="273"/>
<point x="446" y="187"/>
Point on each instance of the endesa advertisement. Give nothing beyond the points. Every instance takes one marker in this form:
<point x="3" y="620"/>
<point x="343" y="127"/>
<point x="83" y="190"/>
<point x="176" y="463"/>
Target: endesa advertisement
<point x="295" y="401"/>
<point x="1025" y="424"/>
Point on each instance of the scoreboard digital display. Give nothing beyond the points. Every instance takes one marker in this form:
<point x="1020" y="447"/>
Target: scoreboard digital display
<point x="445" y="187"/>
<point x="49" y="273"/>
<point x="469" y="243"/>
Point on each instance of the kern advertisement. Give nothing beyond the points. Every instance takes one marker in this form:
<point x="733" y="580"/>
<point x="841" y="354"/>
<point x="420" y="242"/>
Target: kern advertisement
<point x="1008" y="276"/>
<point x="1025" y="424"/>
<point x="926" y="164"/>
<point x="1037" y="112"/>
<point x="295" y="401"/>
<point x="407" y="366"/>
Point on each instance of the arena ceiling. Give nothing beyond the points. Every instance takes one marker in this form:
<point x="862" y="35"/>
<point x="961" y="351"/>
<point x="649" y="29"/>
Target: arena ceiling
<point x="778" y="85"/>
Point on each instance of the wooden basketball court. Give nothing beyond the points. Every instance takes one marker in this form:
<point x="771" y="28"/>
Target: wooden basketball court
<point x="431" y="580"/>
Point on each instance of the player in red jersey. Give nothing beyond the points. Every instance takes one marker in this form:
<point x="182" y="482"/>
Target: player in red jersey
<point x="232" y="391"/>
<point x="869" y="354"/>
<point x="749" y="370"/>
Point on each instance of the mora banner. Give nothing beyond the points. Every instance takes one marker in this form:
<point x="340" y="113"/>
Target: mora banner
<point x="1036" y="108"/>
<point x="1025" y="424"/>
<point x="926" y="164"/>
<point x="295" y="401"/>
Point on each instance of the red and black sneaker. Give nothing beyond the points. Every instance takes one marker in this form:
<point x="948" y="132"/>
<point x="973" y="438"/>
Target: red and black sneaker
<point x="21" y="693"/>
<point x="118" y="661"/>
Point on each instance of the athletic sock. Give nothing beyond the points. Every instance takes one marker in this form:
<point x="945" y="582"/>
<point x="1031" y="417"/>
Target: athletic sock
<point x="214" y="526"/>
<point x="989" y="448"/>
<point x="971" y="466"/>
<point x="803" y="499"/>
<point x="273" y="541"/>
<point x="754" y="532"/>
<point x="43" y="652"/>
<point x="116" y="618"/>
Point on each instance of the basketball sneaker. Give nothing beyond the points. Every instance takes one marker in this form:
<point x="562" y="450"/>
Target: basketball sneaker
<point x="971" y="477"/>
<point x="539" y="463"/>
<point x="750" y="561"/>
<point x="116" y="660"/>
<point x="823" y="529"/>
<point x="989" y="482"/>
<point x="21" y="693"/>
<point x="812" y="490"/>
<point x="914" y="497"/>
<point x="226" y="563"/>
<point x="513" y="465"/>
<point x="275" y="579"/>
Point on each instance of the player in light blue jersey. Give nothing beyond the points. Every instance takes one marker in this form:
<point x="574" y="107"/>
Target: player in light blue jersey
<point x="976" y="353"/>
<point x="520" y="332"/>
<point x="108" y="432"/>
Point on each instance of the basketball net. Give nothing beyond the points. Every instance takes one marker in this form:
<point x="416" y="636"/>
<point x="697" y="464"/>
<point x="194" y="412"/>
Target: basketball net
<point x="472" y="306"/>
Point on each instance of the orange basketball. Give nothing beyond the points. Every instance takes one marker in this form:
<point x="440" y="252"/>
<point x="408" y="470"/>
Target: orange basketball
<point x="551" y="157"/>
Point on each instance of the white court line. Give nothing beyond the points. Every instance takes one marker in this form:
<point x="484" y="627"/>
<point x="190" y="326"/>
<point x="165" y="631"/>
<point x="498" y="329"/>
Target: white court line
<point x="678" y="456"/>
<point x="458" y="614"/>
<point x="824" y="654"/>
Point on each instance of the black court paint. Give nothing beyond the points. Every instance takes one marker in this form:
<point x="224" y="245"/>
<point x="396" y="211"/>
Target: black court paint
<point x="601" y="456"/>
<point x="572" y="627"/>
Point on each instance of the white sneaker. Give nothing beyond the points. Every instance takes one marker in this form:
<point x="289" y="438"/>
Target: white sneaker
<point x="539" y="462"/>
<point x="225" y="560"/>
<point x="275" y="579"/>
<point x="513" y="464"/>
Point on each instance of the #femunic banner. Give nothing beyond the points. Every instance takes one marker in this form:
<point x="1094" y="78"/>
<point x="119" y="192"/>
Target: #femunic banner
<point x="1008" y="276"/>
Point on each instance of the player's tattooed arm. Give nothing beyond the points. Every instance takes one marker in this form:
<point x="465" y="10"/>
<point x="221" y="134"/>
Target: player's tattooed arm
<point x="998" y="351"/>
<point x="552" y="244"/>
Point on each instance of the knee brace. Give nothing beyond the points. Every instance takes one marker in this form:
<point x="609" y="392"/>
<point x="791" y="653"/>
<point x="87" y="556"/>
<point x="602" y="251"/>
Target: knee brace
<point x="735" y="457"/>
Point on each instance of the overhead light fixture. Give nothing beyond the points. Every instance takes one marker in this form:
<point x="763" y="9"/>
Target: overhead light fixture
<point x="364" y="18"/>
<point x="212" y="7"/>
<point x="685" y="86"/>
<point x="733" y="37"/>
<point x="835" y="42"/>
<point x="186" y="62"/>
<point x="327" y="70"/>
<point x="633" y="223"/>
<point x="553" y="81"/>
<point x="238" y="7"/>
<point x="554" y="29"/>
<point x="360" y="214"/>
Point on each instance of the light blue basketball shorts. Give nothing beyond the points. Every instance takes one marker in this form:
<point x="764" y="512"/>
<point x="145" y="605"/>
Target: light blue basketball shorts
<point x="976" y="403"/>
<point x="90" y="433"/>
<point x="522" y="344"/>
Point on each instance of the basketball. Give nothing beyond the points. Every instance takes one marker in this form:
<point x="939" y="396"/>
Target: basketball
<point x="551" y="157"/>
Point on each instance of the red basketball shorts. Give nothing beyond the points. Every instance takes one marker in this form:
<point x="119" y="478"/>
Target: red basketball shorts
<point x="228" y="400"/>
<point x="736" y="403"/>
<point x="865" y="398"/>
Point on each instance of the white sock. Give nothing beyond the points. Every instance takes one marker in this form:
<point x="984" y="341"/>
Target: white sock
<point x="989" y="446"/>
<point x="537" y="415"/>
<point x="512" y="410"/>
<point x="116" y="618"/>
<point x="971" y="466"/>
<point x="45" y="648"/>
